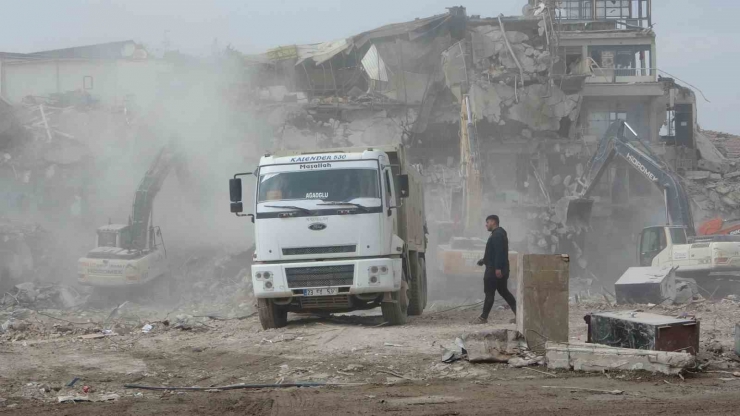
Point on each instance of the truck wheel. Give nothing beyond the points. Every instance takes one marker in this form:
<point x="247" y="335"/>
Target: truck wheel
<point x="271" y="315"/>
<point x="416" y="290"/>
<point x="395" y="312"/>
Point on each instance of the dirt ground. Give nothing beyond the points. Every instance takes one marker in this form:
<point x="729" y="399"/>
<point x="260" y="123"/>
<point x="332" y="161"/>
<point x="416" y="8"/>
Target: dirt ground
<point x="377" y="369"/>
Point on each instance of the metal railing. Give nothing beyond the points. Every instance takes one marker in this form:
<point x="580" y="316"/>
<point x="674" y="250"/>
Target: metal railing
<point x="622" y="75"/>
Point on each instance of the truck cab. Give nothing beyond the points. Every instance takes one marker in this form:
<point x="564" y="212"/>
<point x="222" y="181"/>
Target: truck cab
<point x="338" y="230"/>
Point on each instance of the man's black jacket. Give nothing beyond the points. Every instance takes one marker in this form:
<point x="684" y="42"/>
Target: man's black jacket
<point x="497" y="251"/>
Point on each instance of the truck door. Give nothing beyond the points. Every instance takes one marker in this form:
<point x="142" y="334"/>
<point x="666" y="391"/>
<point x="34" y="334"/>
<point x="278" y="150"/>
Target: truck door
<point x="652" y="242"/>
<point x="390" y="215"/>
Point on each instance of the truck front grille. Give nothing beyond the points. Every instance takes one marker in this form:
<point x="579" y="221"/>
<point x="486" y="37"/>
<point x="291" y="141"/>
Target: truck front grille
<point x="339" y="301"/>
<point x="299" y="251"/>
<point x="321" y="276"/>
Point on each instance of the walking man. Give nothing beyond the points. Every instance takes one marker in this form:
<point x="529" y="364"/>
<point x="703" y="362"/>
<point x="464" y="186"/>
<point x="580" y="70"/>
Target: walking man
<point x="496" y="276"/>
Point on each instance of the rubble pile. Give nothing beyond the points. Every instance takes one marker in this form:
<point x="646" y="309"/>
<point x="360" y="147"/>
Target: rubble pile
<point x="715" y="184"/>
<point x="714" y="191"/>
<point x="26" y="251"/>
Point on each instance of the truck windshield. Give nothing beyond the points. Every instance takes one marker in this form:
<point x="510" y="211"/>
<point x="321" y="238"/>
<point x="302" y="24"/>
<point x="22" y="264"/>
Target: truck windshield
<point x="333" y="185"/>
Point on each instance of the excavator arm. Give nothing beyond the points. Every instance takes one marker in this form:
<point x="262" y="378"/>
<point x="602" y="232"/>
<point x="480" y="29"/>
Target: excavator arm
<point x="638" y="155"/>
<point x="141" y="212"/>
<point x="469" y="159"/>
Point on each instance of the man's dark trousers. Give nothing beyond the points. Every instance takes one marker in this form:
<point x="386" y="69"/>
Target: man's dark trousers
<point x="491" y="284"/>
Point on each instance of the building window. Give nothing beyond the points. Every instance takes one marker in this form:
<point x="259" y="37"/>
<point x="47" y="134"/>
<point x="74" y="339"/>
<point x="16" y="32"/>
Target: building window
<point x="87" y="82"/>
<point x="613" y="9"/>
<point x="575" y="10"/>
<point x="599" y="121"/>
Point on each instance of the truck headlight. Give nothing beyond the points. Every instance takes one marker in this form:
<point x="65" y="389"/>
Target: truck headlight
<point x="267" y="275"/>
<point x="268" y="285"/>
<point x="374" y="269"/>
<point x="258" y="275"/>
<point x="383" y="269"/>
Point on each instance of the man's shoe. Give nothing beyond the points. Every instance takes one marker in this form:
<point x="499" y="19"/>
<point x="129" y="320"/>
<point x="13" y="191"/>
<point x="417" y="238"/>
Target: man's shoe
<point x="479" y="321"/>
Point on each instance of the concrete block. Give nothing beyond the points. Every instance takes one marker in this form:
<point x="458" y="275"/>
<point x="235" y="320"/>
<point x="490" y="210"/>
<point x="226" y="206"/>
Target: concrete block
<point x="697" y="175"/>
<point x="593" y="357"/>
<point x="709" y="165"/>
<point x="732" y="174"/>
<point x="646" y="285"/>
<point x="542" y="298"/>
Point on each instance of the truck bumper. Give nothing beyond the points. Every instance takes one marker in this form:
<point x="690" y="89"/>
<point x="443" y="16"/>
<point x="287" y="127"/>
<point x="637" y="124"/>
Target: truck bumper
<point x="349" y="277"/>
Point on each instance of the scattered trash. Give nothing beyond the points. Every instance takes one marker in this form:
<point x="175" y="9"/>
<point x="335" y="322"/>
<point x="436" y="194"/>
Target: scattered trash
<point x="72" y="383"/>
<point x="388" y="344"/>
<point x="147" y="328"/>
<point x="86" y="389"/>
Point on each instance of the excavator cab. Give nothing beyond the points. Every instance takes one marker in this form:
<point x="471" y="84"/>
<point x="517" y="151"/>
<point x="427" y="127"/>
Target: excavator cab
<point x="113" y="235"/>
<point x="653" y="240"/>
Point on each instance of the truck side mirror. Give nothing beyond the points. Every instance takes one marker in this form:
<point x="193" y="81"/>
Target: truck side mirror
<point x="403" y="185"/>
<point x="237" y="207"/>
<point x="235" y="192"/>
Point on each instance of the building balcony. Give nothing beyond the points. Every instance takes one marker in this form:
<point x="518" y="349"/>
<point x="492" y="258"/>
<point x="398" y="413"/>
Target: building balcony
<point x="622" y="76"/>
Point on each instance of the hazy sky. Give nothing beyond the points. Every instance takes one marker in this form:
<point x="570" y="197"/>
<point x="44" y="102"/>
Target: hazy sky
<point x="697" y="40"/>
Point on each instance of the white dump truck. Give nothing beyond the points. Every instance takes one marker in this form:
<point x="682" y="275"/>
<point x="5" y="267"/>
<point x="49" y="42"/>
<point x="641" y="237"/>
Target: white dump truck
<point x="335" y="231"/>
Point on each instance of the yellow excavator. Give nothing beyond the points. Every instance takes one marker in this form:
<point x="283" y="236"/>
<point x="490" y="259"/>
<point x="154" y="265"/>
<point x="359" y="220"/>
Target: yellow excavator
<point x="458" y="258"/>
<point x="131" y="255"/>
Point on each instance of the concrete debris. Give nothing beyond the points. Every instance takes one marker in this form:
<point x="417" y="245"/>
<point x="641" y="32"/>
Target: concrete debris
<point x="498" y="345"/>
<point x="697" y="175"/>
<point x="43" y="296"/>
<point x="580" y="356"/>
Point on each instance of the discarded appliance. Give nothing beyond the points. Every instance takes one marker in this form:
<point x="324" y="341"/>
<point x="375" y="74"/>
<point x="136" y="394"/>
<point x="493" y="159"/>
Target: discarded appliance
<point x="643" y="331"/>
<point x="542" y="298"/>
<point x="646" y="285"/>
<point x="580" y="356"/>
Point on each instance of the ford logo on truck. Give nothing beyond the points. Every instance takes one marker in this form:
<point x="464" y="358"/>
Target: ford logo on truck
<point x="317" y="226"/>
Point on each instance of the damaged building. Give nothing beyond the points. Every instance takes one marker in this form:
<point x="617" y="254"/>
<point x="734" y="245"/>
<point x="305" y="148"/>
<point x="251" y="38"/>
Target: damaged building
<point x="544" y="87"/>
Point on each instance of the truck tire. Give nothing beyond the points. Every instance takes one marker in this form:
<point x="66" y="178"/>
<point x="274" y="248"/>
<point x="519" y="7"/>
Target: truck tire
<point x="395" y="313"/>
<point x="416" y="289"/>
<point x="271" y="315"/>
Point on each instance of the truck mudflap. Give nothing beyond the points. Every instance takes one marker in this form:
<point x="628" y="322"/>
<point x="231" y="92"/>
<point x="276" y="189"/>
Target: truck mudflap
<point x="327" y="278"/>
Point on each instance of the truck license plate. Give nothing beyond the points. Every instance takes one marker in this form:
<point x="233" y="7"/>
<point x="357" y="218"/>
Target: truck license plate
<point x="321" y="291"/>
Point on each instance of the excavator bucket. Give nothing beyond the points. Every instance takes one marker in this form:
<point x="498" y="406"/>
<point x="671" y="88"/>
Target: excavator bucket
<point x="574" y="211"/>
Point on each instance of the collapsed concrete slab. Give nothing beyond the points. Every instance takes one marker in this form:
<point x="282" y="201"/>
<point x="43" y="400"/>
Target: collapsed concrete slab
<point x="593" y="357"/>
<point x="646" y="285"/>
